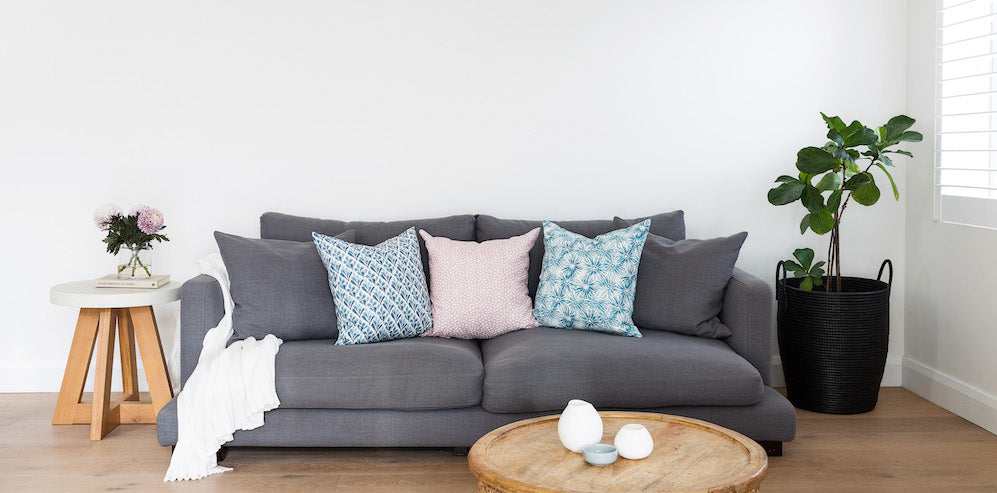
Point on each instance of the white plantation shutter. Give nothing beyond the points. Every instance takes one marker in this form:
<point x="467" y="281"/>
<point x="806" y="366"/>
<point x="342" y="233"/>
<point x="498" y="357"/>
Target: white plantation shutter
<point x="966" y="112"/>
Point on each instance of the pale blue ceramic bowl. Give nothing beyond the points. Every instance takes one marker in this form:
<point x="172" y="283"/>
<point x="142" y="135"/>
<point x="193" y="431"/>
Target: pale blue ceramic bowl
<point x="599" y="454"/>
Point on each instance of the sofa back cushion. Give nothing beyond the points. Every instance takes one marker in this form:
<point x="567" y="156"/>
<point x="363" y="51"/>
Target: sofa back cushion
<point x="287" y="227"/>
<point x="680" y="284"/>
<point x="278" y="287"/>
<point x="670" y="225"/>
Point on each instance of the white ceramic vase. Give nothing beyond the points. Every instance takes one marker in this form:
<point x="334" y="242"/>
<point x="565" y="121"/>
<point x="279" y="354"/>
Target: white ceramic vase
<point x="633" y="441"/>
<point x="579" y="425"/>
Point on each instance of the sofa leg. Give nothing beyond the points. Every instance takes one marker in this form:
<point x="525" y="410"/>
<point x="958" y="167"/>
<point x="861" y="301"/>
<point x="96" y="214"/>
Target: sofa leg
<point x="773" y="449"/>
<point x="222" y="452"/>
<point x="461" y="451"/>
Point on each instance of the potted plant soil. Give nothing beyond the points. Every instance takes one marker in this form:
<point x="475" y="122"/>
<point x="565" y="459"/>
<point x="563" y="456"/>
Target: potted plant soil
<point x="834" y="329"/>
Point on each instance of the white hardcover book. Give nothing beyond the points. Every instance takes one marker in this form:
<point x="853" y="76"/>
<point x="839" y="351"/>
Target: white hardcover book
<point x="112" y="281"/>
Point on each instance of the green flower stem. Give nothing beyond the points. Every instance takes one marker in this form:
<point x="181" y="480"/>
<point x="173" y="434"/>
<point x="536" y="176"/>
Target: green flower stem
<point x="134" y="262"/>
<point x="146" y="269"/>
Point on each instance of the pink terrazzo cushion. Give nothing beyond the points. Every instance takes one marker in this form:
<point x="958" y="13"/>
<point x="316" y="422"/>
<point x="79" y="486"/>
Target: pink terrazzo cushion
<point x="478" y="290"/>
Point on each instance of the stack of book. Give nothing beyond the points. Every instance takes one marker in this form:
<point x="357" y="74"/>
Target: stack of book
<point x="112" y="281"/>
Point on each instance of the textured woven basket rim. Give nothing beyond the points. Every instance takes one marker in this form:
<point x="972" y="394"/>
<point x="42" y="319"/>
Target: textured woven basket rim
<point x="819" y="291"/>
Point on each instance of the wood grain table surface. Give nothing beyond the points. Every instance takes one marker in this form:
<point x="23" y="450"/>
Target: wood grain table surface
<point x="689" y="456"/>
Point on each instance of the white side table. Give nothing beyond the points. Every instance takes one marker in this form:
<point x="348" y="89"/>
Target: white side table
<point x="101" y="310"/>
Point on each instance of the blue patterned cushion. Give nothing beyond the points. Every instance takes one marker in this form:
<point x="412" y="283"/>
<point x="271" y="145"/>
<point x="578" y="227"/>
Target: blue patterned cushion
<point x="380" y="291"/>
<point x="588" y="284"/>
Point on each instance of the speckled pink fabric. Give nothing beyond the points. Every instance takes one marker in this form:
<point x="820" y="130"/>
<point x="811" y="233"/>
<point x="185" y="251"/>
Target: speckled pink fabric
<point x="478" y="290"/>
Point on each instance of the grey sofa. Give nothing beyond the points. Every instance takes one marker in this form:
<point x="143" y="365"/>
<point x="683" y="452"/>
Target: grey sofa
<point x="433" y="392"/>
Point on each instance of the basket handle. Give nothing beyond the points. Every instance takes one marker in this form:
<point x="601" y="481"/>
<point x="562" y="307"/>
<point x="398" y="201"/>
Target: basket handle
<point x="780" y="292"/>
<point x="880" y="275"/>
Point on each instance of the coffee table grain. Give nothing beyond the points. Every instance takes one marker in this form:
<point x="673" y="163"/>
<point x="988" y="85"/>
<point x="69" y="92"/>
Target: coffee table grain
<point x="689" y="456"/>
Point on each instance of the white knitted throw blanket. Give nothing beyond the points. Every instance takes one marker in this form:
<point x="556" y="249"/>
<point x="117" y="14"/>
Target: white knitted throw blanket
<point x="229" y="390"/>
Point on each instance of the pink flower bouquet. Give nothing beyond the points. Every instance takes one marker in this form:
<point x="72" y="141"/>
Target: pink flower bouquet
<point x="134" y="230"/>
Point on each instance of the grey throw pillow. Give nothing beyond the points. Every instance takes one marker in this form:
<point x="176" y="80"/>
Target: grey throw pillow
<point x="668" y="224"/>
<point x="680" y="284"/>
<point x="298" y="228"/>
<point x="279" y="287"/>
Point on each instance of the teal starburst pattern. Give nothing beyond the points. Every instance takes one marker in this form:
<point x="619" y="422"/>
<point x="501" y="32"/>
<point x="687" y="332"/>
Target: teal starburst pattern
<point x="589" y="284"/>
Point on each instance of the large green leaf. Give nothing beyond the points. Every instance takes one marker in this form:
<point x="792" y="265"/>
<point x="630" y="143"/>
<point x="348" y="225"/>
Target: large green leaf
<point x="814" y="160"/>
<point x="867" y="194"/>
<point x="886" y="160"/>
<point x="805" y="223"/>
<point x="859" y="135"/>
<point x="821" y="222"/>
<point x="833" y="123"/>
<point x="795" y="268"/>
<point x="785" y="193"/>
<point x="896" y="127"/>
<point x="812" y="199"/>
<point x="807" y="284"/>
<point x="896" y="193"/>
<point x="910" y="136"/>
<point x="852" y="167"/>
<point x="834" y="200"/>
<point x="857" y="181"/>
<point x="830" y="181"/>
<point x="805" y="256"/>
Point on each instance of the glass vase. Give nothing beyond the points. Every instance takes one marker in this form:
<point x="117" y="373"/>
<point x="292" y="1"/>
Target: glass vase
<point x="134" y="262"/>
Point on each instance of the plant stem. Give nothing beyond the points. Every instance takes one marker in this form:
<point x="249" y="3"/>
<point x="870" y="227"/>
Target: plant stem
<point x="146" y="269"/>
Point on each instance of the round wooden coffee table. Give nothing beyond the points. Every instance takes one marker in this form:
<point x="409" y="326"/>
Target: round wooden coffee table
<point x="689" y="456"/>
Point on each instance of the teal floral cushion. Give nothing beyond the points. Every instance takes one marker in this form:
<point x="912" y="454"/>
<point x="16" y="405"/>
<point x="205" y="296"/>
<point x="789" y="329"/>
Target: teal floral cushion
<point x="588" y="284"/>
<point x="380" y="291"/>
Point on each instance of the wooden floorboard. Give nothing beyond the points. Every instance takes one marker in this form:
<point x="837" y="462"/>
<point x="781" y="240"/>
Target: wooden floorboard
<point x="905" y="444"/>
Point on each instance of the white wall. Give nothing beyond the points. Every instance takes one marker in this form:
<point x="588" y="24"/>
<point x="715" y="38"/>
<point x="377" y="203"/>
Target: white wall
<point x="951" y="316"/>
<point x="217" y="111"/>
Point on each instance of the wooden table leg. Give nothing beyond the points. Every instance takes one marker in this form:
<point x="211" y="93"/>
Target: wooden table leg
<point x="126" y="345"/>
<point x="95" y="329"/>
<point x="77" y="367"/>
<point x="102" y="420"/>
<point x="147" y="336"/>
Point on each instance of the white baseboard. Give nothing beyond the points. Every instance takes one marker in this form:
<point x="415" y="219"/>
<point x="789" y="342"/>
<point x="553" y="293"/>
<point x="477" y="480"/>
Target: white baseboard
<point x="892" y="374"/>
<point x="976" y="405"/>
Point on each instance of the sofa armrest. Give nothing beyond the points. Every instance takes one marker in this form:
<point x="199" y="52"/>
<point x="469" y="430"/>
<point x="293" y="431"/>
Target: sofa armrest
<point x="201" y="308"/>
<point x="747" y="311"/>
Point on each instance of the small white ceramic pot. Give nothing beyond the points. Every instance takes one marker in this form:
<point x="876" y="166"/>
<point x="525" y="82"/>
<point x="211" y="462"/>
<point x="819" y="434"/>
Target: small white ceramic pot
<point x="633" y="441"/>
<point x="579" y="425"/>
<point x="599" y="454"/>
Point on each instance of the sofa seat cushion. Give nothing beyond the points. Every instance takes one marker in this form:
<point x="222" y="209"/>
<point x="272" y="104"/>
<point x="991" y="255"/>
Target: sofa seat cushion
<point x="408" y="374"/>
<point x="541" y="369"/>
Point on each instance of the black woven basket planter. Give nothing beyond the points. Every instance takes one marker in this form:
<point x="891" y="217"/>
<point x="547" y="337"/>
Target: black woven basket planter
<point x="833" y="345"/>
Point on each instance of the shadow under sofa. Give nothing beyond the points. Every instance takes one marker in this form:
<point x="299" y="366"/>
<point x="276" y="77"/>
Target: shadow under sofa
<point x="436" y="392"/>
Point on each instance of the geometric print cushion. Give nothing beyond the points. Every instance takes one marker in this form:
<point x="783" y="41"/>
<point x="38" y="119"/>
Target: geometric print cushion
<point x="380" y="291"/>
<point x="479" y="289"/>
<point x="589" y="284"/>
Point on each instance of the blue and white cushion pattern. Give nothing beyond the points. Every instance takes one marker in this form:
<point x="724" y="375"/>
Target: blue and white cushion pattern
<point x="380" y="291"/>
<point x="589" y="284"/>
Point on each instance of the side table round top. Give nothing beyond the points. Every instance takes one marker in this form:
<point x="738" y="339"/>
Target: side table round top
<point x="689" y="455"/>
<point x="83" y="294"/>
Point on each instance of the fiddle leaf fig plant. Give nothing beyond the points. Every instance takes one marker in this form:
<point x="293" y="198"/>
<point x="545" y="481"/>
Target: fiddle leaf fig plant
<point x="813" y="275"/>
<point x="832" y="175"/>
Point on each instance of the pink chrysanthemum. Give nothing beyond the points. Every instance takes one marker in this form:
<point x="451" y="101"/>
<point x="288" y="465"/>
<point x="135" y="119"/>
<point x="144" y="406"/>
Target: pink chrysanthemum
<point x="150" y="221"/>
<point x="102" y="216"/>
<point x="137" y="209"/>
